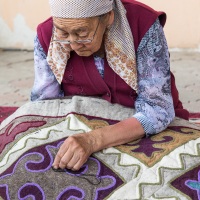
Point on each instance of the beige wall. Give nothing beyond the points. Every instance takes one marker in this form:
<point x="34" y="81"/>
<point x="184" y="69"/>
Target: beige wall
<point x="183" y="21"/>
<point x="18" y="21"/>
<point x="19" y="18"/>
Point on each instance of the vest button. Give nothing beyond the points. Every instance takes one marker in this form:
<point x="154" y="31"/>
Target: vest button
<point x="70" y="77"/>
<point x="108" y="94"/>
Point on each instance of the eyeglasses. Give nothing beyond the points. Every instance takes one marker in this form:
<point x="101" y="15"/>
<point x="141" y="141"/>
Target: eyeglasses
<point x="86" y="41"/>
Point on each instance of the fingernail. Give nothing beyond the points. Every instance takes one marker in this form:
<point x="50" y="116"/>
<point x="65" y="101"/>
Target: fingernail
<point x="54" y="167"/>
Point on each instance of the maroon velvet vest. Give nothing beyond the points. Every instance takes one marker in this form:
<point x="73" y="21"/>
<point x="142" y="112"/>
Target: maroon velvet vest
<point x="82" y="77"/>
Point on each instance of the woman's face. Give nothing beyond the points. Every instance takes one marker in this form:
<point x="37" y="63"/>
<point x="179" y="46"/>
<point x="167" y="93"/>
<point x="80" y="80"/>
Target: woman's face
<point x="82" y="29"/>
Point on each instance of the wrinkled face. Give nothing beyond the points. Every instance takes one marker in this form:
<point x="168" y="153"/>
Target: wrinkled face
<point x="82" y="29"/>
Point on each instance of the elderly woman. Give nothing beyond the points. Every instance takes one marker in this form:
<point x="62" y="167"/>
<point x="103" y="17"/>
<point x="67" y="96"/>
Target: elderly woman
<point x="112" y="50"/>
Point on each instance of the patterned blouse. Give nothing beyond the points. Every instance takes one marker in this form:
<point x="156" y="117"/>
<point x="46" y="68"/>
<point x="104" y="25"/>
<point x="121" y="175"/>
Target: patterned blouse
<point x="153" y="106"/>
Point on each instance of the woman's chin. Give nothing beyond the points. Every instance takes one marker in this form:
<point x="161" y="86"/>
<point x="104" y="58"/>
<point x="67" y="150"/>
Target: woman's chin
<point x="84" y="53"/>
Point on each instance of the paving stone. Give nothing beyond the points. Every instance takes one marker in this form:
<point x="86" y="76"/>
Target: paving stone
<point x="186" y="68"/>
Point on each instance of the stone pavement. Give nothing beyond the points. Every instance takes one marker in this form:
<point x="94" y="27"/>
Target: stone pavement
<point x="17" y="76"/>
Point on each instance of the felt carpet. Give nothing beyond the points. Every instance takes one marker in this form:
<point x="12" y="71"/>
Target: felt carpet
<point x="195" y="118"/>
<point x="164" y="166"/>
<point x="6" y="111"/>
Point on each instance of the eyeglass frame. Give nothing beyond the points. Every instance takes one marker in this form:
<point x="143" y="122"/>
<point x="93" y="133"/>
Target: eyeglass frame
<point x="87" y="41"/>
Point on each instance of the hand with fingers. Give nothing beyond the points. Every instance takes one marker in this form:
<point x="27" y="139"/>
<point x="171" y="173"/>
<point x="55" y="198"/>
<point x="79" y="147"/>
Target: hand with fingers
<point x="76" y="149"/>
<point x="74" y="152"/>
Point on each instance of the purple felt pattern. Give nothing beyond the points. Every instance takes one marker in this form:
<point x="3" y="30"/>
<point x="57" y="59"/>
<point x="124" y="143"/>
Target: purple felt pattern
<point x="31" y="190"/>
<point x="189" y="183"/>
<point x="146" y="145"/>
<point x="179" y="129"/>
<point x="71" y="193"/>
<point x="34" y="170"/>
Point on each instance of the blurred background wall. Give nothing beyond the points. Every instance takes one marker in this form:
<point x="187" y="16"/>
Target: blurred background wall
<point x="19" y="19"/>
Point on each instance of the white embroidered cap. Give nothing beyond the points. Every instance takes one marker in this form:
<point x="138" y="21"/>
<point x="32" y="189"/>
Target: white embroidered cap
<point x="79" y="8"/>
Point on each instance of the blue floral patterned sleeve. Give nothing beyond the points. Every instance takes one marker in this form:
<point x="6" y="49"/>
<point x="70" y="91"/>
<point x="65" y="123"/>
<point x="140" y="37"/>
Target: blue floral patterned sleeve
<point x="154" y="104"/>
<point x="45" y="84"/>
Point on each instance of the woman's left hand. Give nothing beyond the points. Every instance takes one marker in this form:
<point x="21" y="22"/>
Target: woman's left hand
<point x="75" y="151"/>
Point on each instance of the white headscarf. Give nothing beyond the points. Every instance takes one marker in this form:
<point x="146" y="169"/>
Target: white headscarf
<point x="119" y="43"/>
